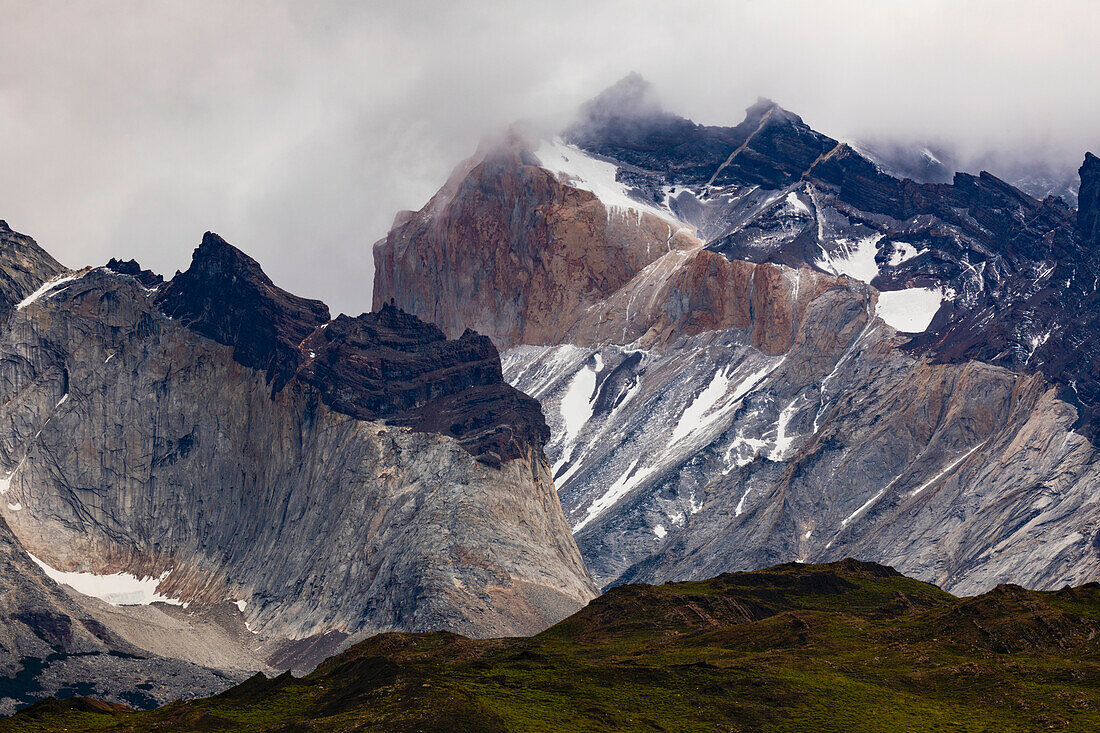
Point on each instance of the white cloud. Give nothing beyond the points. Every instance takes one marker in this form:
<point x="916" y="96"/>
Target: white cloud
<point x="296" y="131"/>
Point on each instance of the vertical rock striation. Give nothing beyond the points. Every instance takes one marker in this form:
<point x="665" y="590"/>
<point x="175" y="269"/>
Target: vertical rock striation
<point x="336" y="478"/>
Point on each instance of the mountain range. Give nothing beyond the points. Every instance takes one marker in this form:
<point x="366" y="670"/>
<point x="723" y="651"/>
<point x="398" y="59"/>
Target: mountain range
<point x="643" y="351"/>
<point x="755" y="345"/>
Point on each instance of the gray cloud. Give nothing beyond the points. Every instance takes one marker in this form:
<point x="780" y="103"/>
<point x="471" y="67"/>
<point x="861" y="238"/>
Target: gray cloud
<point x="297" y="130"/>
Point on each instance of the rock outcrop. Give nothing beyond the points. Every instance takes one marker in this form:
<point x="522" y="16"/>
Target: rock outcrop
<point x="24" y="267"/>
<point x="392" y="366"/>
<point x="1088" y="211"/>
<point x="532" y="233"/>
<point x="226" y="297"/>
<point x="317" y="480"/>
<point x="839" y="362"/>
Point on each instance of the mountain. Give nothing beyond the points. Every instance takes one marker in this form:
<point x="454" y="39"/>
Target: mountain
<point x="754" y="345"/>
<point x="938" y="163"/>
<point x="235" y="481"/>
<point x="837" y="647"/>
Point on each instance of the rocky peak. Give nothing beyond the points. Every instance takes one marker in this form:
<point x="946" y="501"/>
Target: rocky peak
<point x="24" y="266"/>
<point x="1088" y="208"/>
<point x="630" y="97"/>
<point x="776" y="148"/>
<point x="627" y="122"/>
<point x="764" y="110"/>
<point x="226" y="296"/>
<point x="147" y="278"/>
<point x="387" y="365"/>
<point x="391" y="365"/>
<point x="771" y="147"/>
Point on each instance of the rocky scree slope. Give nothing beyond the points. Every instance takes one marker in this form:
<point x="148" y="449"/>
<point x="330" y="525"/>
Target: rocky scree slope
<point x="297" y="482"/>
<point x="835" y="647"/>
<point x="52" y="645"/>
<point x="760" y="347"/>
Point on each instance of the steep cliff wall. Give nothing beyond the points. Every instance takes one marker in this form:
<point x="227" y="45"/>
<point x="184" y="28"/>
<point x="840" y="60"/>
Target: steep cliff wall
<point x="330" y="479"/>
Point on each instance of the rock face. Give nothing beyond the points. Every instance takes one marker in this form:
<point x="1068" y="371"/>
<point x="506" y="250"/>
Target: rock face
<point x="226" y="438"/>
<point x="51" y="645"/>
<point x="25" y="266"/>
<point x="1088" y="214"/>
<point x="226" y="297"/>
<point x="391" y="365"/>
<point x="839" y="363"/>
<point x="532" y="233"/>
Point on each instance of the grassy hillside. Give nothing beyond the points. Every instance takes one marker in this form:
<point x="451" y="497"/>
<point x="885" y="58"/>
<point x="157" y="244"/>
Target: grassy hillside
<point x="846" y="646"/>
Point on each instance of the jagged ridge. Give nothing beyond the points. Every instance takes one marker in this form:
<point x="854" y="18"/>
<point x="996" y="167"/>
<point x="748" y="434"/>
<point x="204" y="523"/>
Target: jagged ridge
<point x="387" y="365"/>
<point x="182" y="433"/>
<point x="809" y="377"/>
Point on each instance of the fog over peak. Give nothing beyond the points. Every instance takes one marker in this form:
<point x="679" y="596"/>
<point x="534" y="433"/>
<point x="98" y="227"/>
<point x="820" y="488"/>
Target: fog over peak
<point x="297" y="131"/>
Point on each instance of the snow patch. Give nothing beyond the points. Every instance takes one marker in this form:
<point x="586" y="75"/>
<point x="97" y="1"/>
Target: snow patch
<point x="583" y="171"/>
<point x="660" y="531"/>
<point x="118" y="589"/>
<point x="741" y="504"/>
<point x="866" y="505"/>
<point x="47" y="287"/>
<point x="701" y="413"/>
<point x="903" y="252"/>
<point x="15" y="507"/>
<point x="856" y="258"/>
<point x="576" y="408"/>
<point x="783" y="441"/>
<point x="951" y="466"/>
<point x="1037" y="341"/>
<point x="796" y="203"/>
<point x="910" y="310"/>
<point x="754" y="379"/>
<point x="5" y="482"/>
<point x="755" y="445"/>
<point x="616" y="491"/>
<point x="692" y="417"/>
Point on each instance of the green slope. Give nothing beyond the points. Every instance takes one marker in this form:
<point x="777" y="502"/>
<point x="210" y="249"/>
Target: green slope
<point x="846" y="646"/>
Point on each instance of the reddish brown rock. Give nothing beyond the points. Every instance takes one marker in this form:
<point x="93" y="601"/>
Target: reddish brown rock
<point x="507" y="249"/>
<point x="694" y="291"/>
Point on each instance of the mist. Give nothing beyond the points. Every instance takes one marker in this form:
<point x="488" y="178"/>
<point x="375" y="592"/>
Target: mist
<point x="127" y="129"/>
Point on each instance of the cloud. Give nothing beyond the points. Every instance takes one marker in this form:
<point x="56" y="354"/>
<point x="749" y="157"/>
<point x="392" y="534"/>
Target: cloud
<point x="297" y="130"/>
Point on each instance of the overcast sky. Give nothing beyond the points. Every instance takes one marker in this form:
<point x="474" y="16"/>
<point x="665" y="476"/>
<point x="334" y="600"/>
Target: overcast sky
<point x="296" y="131"/>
